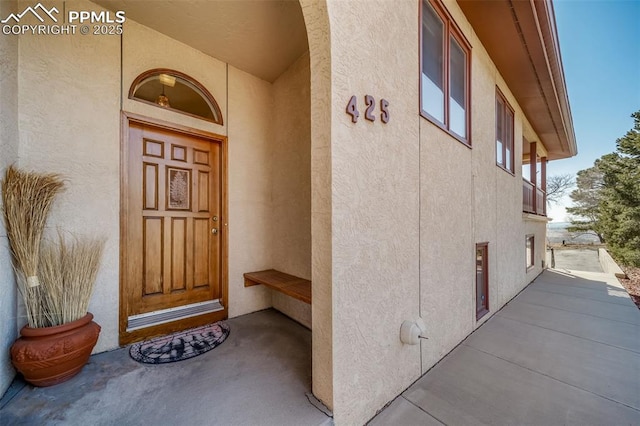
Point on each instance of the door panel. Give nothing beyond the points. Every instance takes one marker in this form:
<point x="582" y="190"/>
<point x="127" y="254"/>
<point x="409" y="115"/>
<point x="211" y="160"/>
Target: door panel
<point x="173" y="220"/>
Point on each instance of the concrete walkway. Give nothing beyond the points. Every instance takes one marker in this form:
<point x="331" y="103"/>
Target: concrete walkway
<point x="578" y="259"/>
<point x="566" y="351"/>
<point x="259" y="376"/>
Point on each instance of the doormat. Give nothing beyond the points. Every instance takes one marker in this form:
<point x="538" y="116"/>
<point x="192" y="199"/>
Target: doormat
<point x="181" y="345"/>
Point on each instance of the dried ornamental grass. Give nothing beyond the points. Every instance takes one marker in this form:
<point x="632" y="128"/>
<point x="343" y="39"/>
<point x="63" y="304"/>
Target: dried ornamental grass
<point x="50" y="270"/>
<point x="27" y="198"/>
<point x="68" y="272"/>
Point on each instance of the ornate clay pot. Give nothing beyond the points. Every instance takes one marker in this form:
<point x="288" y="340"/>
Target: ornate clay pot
<point x="51" y="355"/>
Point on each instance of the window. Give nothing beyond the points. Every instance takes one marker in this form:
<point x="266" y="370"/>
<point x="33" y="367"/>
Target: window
<point x="530" y="251"/>
<point x="177" y="92"/>
<point x="444" y="82"/>
<point x="504" y="133"/>
<point x="482" y="280"/>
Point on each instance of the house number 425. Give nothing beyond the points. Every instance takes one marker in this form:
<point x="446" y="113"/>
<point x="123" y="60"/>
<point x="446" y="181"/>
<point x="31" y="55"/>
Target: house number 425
<point x="352" y="109"/>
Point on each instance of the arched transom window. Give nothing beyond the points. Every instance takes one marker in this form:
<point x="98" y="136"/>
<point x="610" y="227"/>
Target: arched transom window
<point x="175" y="91"/>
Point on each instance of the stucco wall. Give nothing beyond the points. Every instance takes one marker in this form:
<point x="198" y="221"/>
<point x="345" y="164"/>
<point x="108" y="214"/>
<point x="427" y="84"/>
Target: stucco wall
<point x="291" y="179"/>
<point x="409" y="205"/>
<point x="447" y="240"/>
<point x="316" y="20"/>
<point x="70" y="124"/>
<point x="467" y="199"/>
<point x="250" y="214"/>
<point x="8" y="156"/>
<point x="375" y="204"/>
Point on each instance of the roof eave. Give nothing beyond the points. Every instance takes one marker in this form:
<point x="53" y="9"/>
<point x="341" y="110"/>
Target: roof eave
<point x="522" y="40"/>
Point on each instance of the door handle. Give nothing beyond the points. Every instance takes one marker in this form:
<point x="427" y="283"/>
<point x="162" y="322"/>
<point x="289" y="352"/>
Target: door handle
<point x="214" y="231"/>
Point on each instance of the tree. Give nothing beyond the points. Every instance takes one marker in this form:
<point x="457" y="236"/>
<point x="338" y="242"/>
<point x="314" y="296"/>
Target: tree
<point x="607" y="198"/>
<point x="620" y="208"/>
<point x="557" y="187"/>
<point x="586" y="199"/>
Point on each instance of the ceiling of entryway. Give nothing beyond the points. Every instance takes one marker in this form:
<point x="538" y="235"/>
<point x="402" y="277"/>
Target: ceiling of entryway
<point x="260" y="37"/>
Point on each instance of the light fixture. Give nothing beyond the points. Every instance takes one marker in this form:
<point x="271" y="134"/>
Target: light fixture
<point x="165" y="80"/>
<point x="162" y="100"/>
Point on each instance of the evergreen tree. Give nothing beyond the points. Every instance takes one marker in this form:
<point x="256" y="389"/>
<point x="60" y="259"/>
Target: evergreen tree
<point x="620" y="207"/>
<point x="586" y="199"/>
<point x="607" y="198"/>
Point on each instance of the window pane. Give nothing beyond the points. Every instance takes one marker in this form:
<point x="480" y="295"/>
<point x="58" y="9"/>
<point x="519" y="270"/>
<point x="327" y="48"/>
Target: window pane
<point x="480" y="296"/>
<point x="529" y="251"/>
<point x="509" y="139"/>
<point x="179" y="94"/>
<point x="526" y="171"/>
<point x="457" y="89"/>
<point x="482" y="286"/>
<point x="499" y="131"/>
<point x="432" y="61"/>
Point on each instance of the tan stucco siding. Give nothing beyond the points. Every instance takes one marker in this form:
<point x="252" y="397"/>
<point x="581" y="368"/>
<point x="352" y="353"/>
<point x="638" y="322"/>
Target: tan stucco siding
<point x="467" y="200"/>
<point x="290" y="160"/>
<point x="374" y="204"/>
<point x="8" y="156"/>
<point x="69" y="122"/>
<point x="319" y="37"/>
<point x="250" y="214"/>
<point x="408" y="185"/>
<point x="447" y="241"/>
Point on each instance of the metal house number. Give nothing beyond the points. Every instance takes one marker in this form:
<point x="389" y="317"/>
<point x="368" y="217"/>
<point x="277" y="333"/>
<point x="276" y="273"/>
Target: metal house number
<point x="352" y="109"/>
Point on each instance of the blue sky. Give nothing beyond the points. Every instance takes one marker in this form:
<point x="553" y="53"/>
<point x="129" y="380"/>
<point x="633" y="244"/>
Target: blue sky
<point x="600" y="46"/>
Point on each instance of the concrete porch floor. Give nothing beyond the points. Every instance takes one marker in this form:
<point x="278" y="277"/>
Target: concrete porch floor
<point x="565" y="351"/>
<point x="259" y="376"/>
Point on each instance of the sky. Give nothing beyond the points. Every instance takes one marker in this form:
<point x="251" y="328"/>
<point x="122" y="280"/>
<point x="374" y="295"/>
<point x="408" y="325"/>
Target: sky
<point x="600" y="48"/>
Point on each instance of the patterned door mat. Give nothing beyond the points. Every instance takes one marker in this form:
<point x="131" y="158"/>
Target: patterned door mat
<point x="180" y="346"/>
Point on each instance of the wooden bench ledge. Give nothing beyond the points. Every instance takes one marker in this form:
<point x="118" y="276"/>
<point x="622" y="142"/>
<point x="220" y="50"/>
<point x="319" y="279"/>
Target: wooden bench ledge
<point x="293" y="286"/>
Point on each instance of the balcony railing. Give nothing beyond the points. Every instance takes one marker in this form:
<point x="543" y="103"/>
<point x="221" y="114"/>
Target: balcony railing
<point x="528" y="205"/>
<point x="527" y="197"/>
<point x="541" y="202"/>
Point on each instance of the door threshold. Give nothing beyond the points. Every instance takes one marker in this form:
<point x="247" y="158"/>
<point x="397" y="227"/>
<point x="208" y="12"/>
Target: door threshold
<point x="150" y="319"/>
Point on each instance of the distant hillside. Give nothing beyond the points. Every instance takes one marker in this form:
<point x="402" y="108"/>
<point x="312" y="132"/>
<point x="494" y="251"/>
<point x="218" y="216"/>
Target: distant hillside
<point x="557" y="225"/>
<point x="557" y="233"/>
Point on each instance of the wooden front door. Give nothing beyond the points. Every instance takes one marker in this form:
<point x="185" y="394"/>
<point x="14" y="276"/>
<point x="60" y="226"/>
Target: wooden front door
<point x="173" y="231"/>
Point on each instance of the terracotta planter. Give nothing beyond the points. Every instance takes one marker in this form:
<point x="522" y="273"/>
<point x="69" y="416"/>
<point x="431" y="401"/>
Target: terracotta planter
<point x="51" y="355"/>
